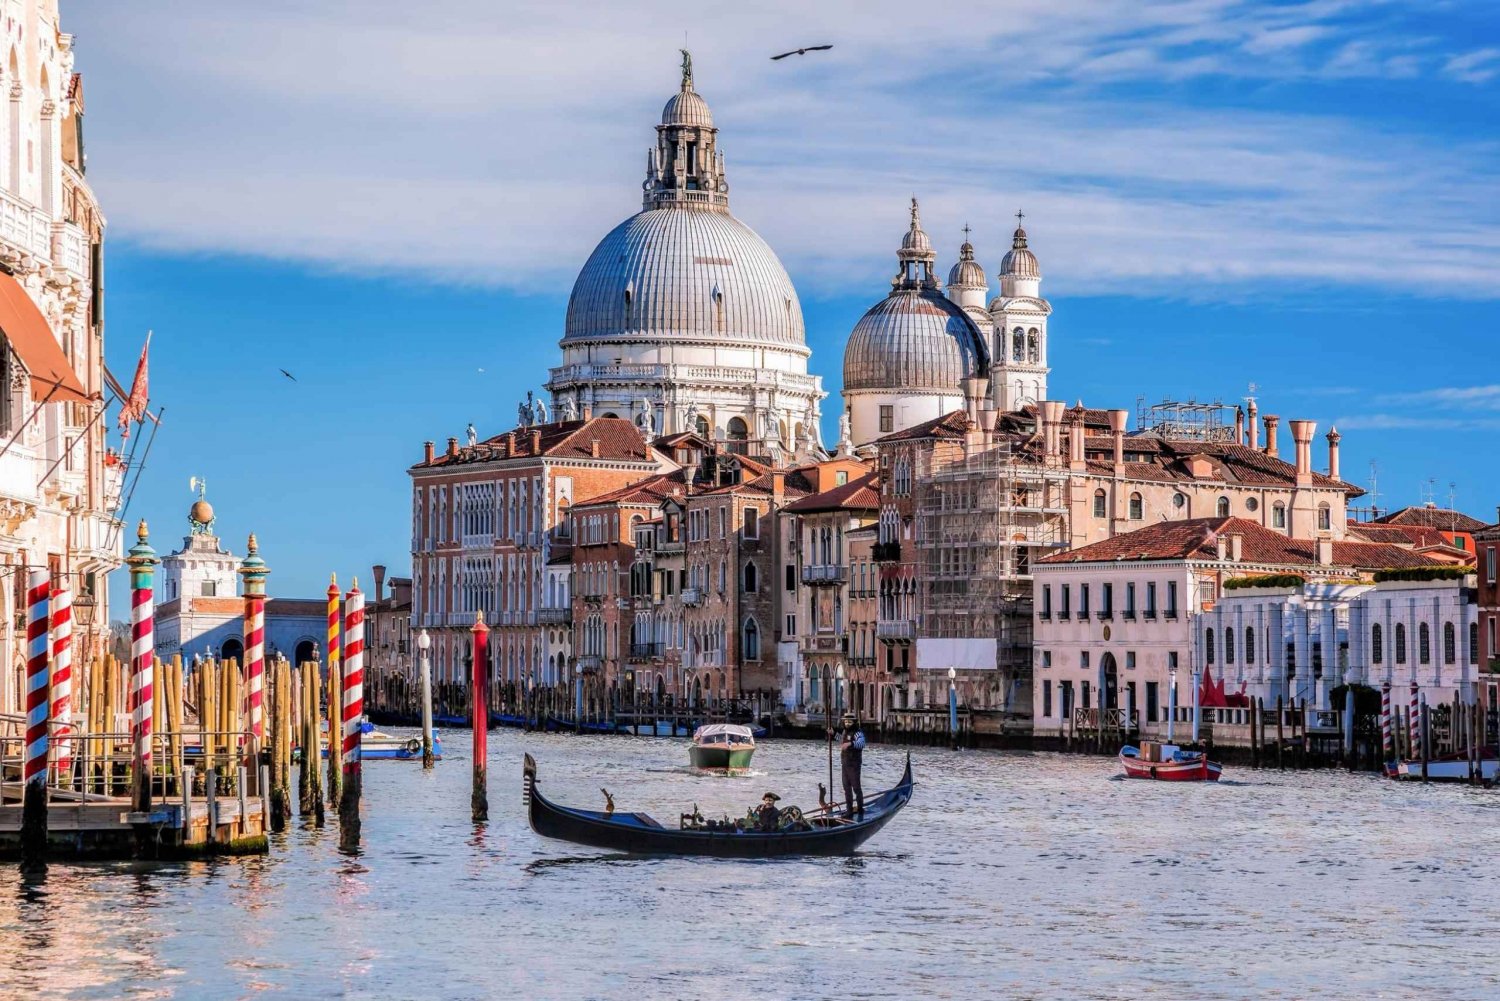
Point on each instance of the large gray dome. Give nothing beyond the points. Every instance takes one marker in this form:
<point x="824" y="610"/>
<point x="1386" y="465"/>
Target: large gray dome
<point x="915" y="338"/>
<point x="684" y="273"/>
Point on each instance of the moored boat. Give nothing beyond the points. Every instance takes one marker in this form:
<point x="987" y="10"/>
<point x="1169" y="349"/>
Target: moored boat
<point x="722" y="746"/>
<point x="1168" y="763"/>
<point x="1450" y="767"/>
<point x="821" y="833"/>
<point x="376" y="745"/>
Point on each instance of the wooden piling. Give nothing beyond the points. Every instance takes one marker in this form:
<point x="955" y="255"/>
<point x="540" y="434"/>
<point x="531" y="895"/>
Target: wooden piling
<point x="335" y="693"/>
<point x="1280" y="736"/>
<point x="312" y="796"/>
<point x="279" y="730"/>
<point x="1426" y="737"/>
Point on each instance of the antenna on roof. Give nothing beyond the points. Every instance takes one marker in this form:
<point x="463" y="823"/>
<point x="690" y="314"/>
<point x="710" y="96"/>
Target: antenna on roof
<point x="1374" y="493"/>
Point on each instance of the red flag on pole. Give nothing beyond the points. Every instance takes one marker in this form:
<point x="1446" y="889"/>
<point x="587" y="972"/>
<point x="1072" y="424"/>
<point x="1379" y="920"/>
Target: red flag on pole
<point x="134" y="407"/>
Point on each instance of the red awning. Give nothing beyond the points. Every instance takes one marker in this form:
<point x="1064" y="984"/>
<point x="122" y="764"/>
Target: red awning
<point x="31" y="339"/>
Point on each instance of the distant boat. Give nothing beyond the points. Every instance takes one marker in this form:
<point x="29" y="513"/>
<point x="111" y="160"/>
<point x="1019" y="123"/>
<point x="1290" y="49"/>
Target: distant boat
<point x="1450" y="767"/>
<point x="1168" y="763"/>
<point x="375" y="745"/>
<point x="722" y="746"/>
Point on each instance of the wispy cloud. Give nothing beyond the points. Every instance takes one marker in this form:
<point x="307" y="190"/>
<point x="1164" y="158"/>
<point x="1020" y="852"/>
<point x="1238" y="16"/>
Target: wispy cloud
<point x="1479" y="66"/>
<point x="1456" y="397"/>
<point x="467" y="142"/>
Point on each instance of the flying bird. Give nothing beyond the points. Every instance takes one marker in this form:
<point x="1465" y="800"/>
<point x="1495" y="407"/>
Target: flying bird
<point x="802" y="52"/>
<point x="288" y="374"/>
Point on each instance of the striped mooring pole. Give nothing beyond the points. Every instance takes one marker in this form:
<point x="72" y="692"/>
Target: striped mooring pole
<point x="34" y="758"/>
<point x="335" y="691"/>
<point x="353" y="703"/>
<point x="1387" y="735"/>
<point x="253" y="571"/>
<point x="1414" y="723"/>
<point x="62" y="683"/>
<point x="142" y="562"/>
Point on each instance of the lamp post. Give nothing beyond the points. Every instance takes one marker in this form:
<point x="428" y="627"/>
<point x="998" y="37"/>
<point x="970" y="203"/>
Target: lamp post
<point x="577" y="696"/>
<point x="424" y="663"/>
<point x="953" y="708"/>
<point x="1171" y="703"/>
<point x="1197" y="701"/>
<point x="839" y="691"/>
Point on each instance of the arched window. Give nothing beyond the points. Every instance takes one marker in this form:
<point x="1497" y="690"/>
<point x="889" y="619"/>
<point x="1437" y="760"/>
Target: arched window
<point x="1400" y="643"/>
<point x="701" y="426"/>
<point x="1018" y="345"/>
<point x="752" y="579"/>
<point x="1229" y="646"/>
<point x="1278" y="515"/>
<point x="1249" y="645"/>
<point x="1099" y="504"/>
<point x="1137" y="507"/>
<point x="1450" y="644"/>
<point x="751" y="640"/>
<point x="1424" y="645"/>
<point x="1033" y="346"/>
<point x="1377" y="647"/>
<point x="1208" y="645"/>
<point x="1325" y="518"/>
<point x="1223" y="507"/>
<point x="738" y="434"/>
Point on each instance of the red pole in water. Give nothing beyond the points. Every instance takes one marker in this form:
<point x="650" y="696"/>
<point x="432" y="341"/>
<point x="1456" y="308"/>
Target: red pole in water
<point x="479" y="801"/>
<point x="353" y="714"/>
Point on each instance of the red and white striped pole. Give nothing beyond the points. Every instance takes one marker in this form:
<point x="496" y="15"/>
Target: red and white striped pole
<point x="142" y="562"/>
<point x="253" y="571"/>
<point x="353" y="713"/>
<point x="1414" y="724"/>
<point x="62" y="683"/>
<point x="34" y="756"/>
<point x="1387" y="734"/>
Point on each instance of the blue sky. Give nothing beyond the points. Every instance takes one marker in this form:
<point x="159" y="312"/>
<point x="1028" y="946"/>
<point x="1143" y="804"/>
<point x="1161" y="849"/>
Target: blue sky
<point x="391" y="201"/>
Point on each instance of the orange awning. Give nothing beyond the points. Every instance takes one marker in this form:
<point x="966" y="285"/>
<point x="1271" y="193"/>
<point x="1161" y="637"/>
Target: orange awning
<point x="32" y="341"/>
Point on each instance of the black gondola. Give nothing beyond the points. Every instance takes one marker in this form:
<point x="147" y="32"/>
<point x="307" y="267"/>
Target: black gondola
<point x="639" y="834"/>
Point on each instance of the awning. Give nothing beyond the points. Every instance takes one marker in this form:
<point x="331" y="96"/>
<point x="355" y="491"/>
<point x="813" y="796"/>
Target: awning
<point x="31" y="339"/>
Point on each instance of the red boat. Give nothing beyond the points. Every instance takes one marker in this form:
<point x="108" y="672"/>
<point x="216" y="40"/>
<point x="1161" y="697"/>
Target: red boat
<point x="1168" y="763"/>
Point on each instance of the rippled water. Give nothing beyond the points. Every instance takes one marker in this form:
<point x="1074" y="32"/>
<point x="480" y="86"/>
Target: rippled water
<point x="1009" y="875"/>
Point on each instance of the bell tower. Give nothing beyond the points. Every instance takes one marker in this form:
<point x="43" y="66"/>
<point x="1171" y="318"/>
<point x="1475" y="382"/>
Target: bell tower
<point x="1018" y="375"/>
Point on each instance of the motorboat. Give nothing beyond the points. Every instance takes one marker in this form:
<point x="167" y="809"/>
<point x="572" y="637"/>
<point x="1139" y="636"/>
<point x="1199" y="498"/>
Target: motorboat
<point x="1450" y="767"/>
<point x="1168" y="763"/>
<point x="821" y="832"/>
<point x="722" y="747"/>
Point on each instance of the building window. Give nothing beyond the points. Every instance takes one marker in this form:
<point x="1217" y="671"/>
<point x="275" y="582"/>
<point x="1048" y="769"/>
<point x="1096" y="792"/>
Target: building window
<point x="1083" y="662"/>
<point x="1046" y="659"/>
<point x="1137" y="507"/>
<point x="209" y="589"/>
<point x="751" y="640"/>
<point x="1278" y="515"/>
<point x="1424" y="645"/>
<point x="1171" y="599"/>
<point x="1151" y="599"/>
<point x="1474" y="640"/>
<point x="1130" y="660"/>
<point x="1377" y="646"/>
<point x="750" y="529"/>
<point x="1251" y="504"/>
<point x="1208" y="646"/>
<point x="1153" y="702"/>
<point x="1099" y="504"/>
<point x="1046" y="601"/>
<point x="1450" y="647"/>
<point x="1325" y="518"/>
<point x="752" y="579"/>
<point x="1179" y="501"/>
<point x="1067" y="596"/>
<point x="1107" y="605"/>
<point x="1047" y="698"/>
<point x="1229" y="646"/>
<point x="1223" y="507"/>
<point x="1083" y="601"/>
<point x="1130" y="599"/>
<point x="1400" y="643"/>
<point x="791" y="577"/>
<point x="1249" y="645"/>
<point x="887" y="418"/>
<point x="1489" y="564"/>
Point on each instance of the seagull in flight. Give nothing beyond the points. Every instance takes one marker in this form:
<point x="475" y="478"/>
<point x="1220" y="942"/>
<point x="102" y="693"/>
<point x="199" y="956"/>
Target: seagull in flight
<point x="288" y="374"/>
<point x="802" y="52"/>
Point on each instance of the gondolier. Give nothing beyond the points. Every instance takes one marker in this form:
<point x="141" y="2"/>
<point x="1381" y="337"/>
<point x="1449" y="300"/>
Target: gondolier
<point x="851" y="762"/>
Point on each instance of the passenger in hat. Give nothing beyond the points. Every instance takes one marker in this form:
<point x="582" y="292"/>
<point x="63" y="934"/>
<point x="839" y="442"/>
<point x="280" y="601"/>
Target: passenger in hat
<point x="767" y="816"/>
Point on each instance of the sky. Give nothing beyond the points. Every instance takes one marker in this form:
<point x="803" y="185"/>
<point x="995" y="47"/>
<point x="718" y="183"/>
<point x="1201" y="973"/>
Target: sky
<point x="391" y="201"/>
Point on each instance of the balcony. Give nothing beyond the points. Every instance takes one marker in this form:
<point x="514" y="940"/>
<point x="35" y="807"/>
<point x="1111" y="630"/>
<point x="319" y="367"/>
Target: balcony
<point x="590" y="663"/>
<point x="886" y="552"/>
<point x="826" y="574"/>
<point x="896" y="629"/>
<point x="554" y="616"/>
<point x="646" y="651"/>
<point x="692" y="597"/>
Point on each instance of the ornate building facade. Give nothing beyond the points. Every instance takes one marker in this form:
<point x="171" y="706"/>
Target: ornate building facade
<point x="59" y="487"/>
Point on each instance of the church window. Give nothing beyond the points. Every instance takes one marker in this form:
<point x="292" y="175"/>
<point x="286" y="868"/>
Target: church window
<point x="1424" y="644"/>
<point x="1099" y="504"/>
<point x="1223" y="507"/>
<point x="718" y="310"/>
<point x="887" y="418"/>
<point x="1450" y="650"/>
<point x="1249" y="645"/>
<point x="1033" y="346"/>
<point x="1400" y="643"/>
<point x="1278" y="515"/>
<point x="1137" y="507"/>
<point x="1018" y="345"/>
<point x="739" y="433"/>
<point x="702" y="427"/>
<point x="1208" y="645"/>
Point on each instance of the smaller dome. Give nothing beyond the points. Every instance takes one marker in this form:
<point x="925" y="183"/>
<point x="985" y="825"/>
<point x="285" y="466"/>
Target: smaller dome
<point x="1019" y="262"/>
<point x="914" y="245"/>
<point x="967" y="271"/>
<point x="686" y="108"/>
<point x="914" y="340"/>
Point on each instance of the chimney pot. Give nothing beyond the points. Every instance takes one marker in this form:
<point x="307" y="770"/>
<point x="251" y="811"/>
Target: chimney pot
<point x="594" y="447"/>
<point x="1117" y="419"/>
<point x="1333" y="452"/>
<point x="536" y="442"/>
<point x="1221" y="547"/>
<point x="1325" y="551"/>
<point x="378" y="571"/>
<point x="1302" y="435"/>
<point x="1271" y="421"/>
<point x="427" y="452"/>
<point x="588" y="411"/>
<point x="1254" y="425"/>
<point x="452" y="446"/>
<point x="1239" y="425"/>
<point x="1236" y="547"/>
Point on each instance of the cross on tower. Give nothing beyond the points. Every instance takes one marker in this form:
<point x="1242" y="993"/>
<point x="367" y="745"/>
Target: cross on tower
<point x="1019" y="216"/>
<point x="966" y="232"/>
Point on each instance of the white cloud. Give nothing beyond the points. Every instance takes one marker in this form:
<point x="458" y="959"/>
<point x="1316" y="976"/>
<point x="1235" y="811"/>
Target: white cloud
<point x="1479" y="66"/>
<point x="470" y="142"/>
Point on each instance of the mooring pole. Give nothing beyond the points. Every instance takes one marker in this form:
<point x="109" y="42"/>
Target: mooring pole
<point x="253" y="571"/>
<point x="335" y="690"/>
<point x="424" y="664"/>
<point x="353" y="703"/>
<point x="142" y="562"/>
<point x="62" y="683"/>
<point x="34" y="764"/>
<point x="479" y="802"/>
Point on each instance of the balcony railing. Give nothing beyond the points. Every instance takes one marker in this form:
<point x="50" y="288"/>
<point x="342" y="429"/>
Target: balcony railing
<point x="886" y="552"/>
<point x="645" y="651"/>
<point x="692" y="596"/>
<point x="590" y="662"/>
<point x="895" y="629"/>
<point x="824" y="574"/>
<point x="554" y="616"/>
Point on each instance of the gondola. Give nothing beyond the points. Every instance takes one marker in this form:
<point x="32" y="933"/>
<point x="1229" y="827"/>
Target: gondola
<point x="638" y="833"/>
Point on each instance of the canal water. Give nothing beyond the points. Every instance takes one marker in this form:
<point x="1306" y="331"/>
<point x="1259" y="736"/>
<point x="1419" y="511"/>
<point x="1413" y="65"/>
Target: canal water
<point x="1009" y="875"/>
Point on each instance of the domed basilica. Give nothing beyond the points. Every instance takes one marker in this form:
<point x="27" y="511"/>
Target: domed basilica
<point x="683" y="319"/>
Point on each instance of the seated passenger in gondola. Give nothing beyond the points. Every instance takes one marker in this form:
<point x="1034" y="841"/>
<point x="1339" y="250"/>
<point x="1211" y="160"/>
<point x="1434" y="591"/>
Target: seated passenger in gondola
<point x="767" y="816"/>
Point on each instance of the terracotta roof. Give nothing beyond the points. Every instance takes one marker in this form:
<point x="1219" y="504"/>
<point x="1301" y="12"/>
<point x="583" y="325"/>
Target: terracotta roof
<point x="951" y="425"/>
<point x="1488" y="534"/>
<point x="652" y="490"/>
<point x="856" y="495"/>
<point x="1418" y="536"/>
<point x="1432" y="517"/>
<point x="618" y="440"/>
<point x="794" y="485"/>
<point x="1197" y="539"/>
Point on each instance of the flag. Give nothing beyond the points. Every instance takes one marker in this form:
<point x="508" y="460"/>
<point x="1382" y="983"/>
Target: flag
<point x="134" y="406"/>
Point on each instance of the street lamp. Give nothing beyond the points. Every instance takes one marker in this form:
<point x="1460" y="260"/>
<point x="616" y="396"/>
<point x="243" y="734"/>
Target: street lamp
<point x="1171" y="702"/>
<point x="953" y="708"/>
<point x="577" y="695"/>
<point x="424" y="644"/>
<point x="839" y="694"/>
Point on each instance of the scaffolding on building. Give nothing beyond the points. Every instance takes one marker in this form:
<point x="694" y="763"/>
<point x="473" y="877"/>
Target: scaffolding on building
<point x="1189" y="420"/>
<point x="982" y="519"/>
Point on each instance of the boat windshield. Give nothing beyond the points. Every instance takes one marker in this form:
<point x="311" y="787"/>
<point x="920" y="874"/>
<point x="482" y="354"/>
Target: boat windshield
<point x="723" y="734"/>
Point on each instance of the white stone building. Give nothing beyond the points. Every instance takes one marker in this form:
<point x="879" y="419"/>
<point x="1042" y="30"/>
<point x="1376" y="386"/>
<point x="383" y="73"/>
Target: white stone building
<point x="59" y="487"/>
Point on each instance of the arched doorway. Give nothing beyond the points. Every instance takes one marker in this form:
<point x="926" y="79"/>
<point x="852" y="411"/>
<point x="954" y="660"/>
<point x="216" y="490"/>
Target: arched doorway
<point x="306" y="652"/>
<point x="1109" y="683"/>
<point x="232" y="648"/>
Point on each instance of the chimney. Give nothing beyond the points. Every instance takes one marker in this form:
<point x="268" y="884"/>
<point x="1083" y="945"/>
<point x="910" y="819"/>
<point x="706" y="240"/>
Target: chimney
<point x="1254" y="426"/>
<point x="452" y="446"/>
<point x="1325" y="551"/>
<point x="1302" y="435"/>
<point x="427" y="453"/>
<point x="588" y="411"/>
<point x="1076" y="457"/>
<point x="536" y="442"/>
<point x="1236" y="547"/>
<point x="1117" y="419"/>
<point x="1271" y="421"/>
<point x="510" y="444"/>
<point x="1052" y="415"/>
<point x="778" y="489"/>
<point x="1221" y="547"/>
<point x="1239" y="425"/>
<point x="379" y="571"/>
<point x="594" y="447"/>
<point x="1333" y="452"/>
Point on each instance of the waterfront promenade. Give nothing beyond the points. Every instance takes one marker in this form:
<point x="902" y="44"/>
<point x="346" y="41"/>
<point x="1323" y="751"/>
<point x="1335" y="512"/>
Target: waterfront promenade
<point x="1010" y="875"/>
